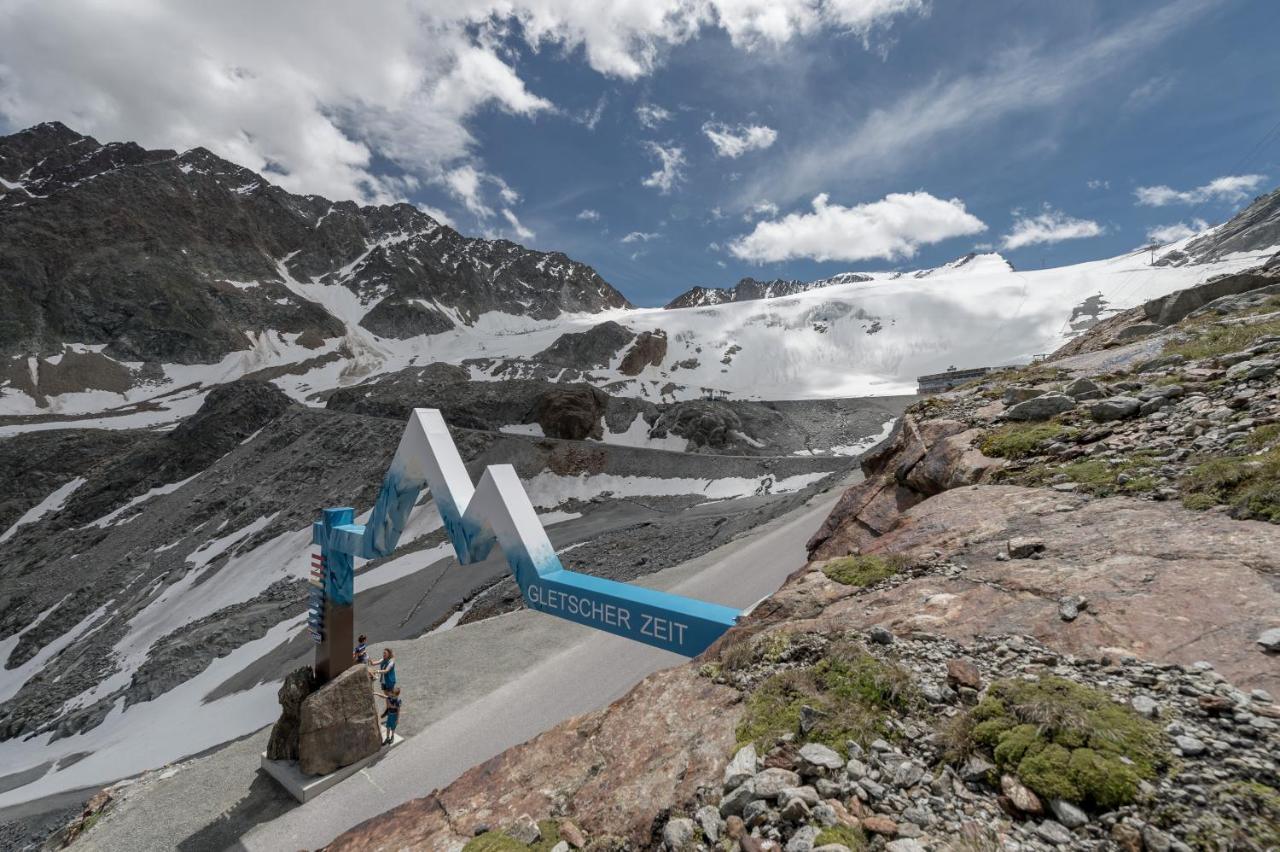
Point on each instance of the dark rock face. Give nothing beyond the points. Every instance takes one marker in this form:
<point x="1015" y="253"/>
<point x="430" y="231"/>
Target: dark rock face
<point x="178" y="257"/>
<point x="283" y="744"/>
<point x="1256" y="227"/>
<point x="648" y="350"/>
<point x="594" y="347"/>
<point x="572" y="412"/>
<point x="338" y="724"/>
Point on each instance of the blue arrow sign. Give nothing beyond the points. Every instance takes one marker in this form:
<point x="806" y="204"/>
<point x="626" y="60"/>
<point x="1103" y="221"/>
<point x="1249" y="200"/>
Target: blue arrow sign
<point x="498" y="511"/>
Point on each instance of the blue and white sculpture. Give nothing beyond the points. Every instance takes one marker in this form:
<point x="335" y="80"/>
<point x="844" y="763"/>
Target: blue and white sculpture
<point x="475" y="517"/>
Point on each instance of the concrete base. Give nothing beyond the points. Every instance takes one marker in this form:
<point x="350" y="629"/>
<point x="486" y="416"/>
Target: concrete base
<point x="307" y="787"/>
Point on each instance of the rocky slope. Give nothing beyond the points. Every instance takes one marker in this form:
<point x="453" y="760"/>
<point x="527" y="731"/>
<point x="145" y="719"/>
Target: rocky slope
<point x="1046" y="620"/>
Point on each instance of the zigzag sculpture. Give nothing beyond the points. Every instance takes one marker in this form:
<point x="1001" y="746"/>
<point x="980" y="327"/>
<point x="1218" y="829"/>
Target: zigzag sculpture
<point x="498" y="510"/>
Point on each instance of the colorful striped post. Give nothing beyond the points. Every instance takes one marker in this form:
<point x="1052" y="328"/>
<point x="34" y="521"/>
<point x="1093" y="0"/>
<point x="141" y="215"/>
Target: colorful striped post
<point x="332" y="618"/>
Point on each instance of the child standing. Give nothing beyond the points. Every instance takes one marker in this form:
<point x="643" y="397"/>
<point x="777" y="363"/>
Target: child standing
<point x="392" y="714"/>
<point x="361" y="653"/>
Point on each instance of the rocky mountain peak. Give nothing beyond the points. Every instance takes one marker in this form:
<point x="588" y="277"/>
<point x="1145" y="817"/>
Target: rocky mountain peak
<point x="185" y="258"/>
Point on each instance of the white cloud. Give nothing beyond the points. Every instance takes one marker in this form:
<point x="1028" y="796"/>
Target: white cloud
<point x="651" y="115"/>
<point x="735" y="141"/>
<point x="671" y="170"/>
<point x="589" y="215"/>
<point x="752" y="23"/>
<point x="1229" y="188"/>
<point x="639" y="237"/>
<point x="891" y="228"/>
<point x="760" y="210"/>
<point x="1165" y="234"/>
<point x="950" y="109"/>
<point x="1049" y="226"/>
<point x="437" y="214"/>
<point x="464" y="182"/>
<point x="591" y="117"/>
<point x="1098" y="184"/>
<point x="520" y="231"/>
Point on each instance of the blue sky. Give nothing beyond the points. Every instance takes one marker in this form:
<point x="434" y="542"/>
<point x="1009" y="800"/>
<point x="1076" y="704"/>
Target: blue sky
<point x="928" y="128"/>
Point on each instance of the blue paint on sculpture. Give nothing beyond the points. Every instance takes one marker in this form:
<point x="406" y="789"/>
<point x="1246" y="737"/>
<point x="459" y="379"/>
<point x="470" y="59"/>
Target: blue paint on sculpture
<point x="333" y="534"/>
<point x="498" y="510"/>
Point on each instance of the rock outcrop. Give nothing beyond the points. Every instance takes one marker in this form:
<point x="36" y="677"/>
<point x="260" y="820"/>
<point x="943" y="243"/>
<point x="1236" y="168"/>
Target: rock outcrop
<point x="286" y="732"/>
<point x="338" y="724"/>
<point x="648" y="350"/>
<point x="572" y="412"/>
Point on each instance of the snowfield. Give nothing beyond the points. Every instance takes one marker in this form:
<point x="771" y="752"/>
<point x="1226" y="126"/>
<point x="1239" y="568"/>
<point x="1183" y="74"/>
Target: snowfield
<point x="858" y="338"/>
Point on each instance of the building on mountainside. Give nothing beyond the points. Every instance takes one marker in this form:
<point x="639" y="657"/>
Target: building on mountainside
<point x="952" y="378"/>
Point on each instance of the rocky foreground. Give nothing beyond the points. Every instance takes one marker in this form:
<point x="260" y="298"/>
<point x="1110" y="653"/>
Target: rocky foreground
<point x="1048" y="619"/>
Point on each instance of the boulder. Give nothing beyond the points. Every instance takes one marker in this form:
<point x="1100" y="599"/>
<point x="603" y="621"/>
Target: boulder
<point x="1084" y="388"/>
<point x="1114" y="408"/>
<point x="1015" y="394"/>
<point x="339" y="724"/>
<point x="573" y="413"/>
<point x="1041" y="407"/>
<point x="649" y="349"/>
<point x="283" y="744"/>
<point x="584" y="350"/>
<point x="742" y="767"/>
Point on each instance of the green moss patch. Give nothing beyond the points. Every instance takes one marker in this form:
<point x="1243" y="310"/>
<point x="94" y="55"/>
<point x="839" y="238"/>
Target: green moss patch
<point x="1065" y="741"/>
<point x="1249" y="485"/>
<point x="853" y="838"/>
<point x="863" y="570"/>
<point x="496" y="841"/>
<point x="850" y="691"/>
<point x="1019" y="440"/>
<point x="1134" y="474"/>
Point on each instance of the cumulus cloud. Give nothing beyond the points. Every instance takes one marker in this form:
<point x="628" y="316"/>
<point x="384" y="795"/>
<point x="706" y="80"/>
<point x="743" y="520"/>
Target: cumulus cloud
<point x="651" y="115"/>
<point x="1165" y="234"/>
<point x="670" y="170"/>
<point x="589" y="215"/>
<point x="1229" y="188"/>
<point x="1049" y="226"/>
<point x="1098" y="184"/>
<point x="891" y="228"/>
<point x="519" y="230"/>
<point x="733" y="142"/>
<point x="639" y="237"/>
<point x="315" y="98"/>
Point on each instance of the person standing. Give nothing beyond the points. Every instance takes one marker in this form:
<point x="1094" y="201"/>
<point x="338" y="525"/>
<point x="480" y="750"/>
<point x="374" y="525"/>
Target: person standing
<point x="387" y="670"/>
<point x="361" y="653"/>
<point x="391" y="714"/>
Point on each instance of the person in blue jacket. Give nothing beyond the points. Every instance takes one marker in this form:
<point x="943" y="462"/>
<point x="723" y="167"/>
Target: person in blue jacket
<point x="387" y="670"/>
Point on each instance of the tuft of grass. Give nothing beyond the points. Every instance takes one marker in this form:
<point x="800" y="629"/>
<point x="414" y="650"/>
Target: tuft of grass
<point x="1019" y="440"/>
<point x="1264" y="437"/>
<point x="1248" y="485"/>
<point x="1064" y="740"/>
<point x="1216" y="340"/>
<point x="850" y="690"/>
<point x="863" y="570"/>
<point x="853" y="838"/>
<point x="769" y="647"/>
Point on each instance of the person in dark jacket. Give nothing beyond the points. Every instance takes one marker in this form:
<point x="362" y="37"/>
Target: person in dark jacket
<point x="361" y="653"/>
<point x="391" y="714"/>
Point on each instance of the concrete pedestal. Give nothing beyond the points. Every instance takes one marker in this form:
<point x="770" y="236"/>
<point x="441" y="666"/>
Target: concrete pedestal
<point x="307" y="787"/>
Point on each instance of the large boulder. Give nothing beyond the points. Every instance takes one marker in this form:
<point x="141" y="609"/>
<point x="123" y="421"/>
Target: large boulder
<point x="1041" y="407"/>
<point x="649" y="349"/>
<point x="703" y="423"/>
<point x="283" y="744"/>
<point x="572" y="412"/>
<point x="1114" y="408"/>
<point x="339" y="724"/>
